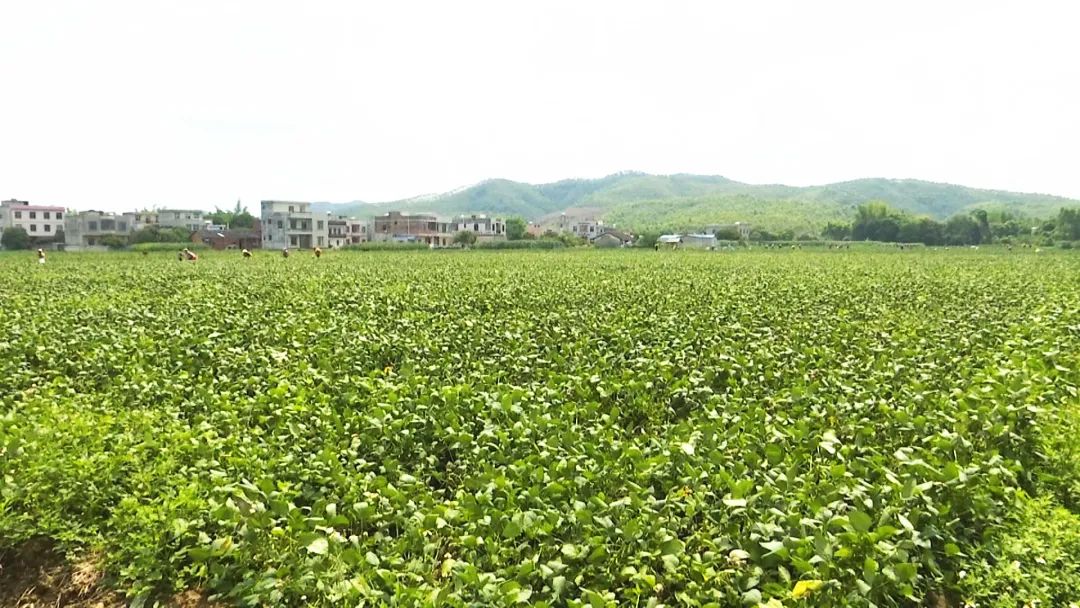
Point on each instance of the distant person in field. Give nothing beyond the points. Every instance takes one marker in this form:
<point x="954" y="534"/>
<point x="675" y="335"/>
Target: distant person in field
<point x="285" y="252"/>
<point x="40" y="256"/>
<point x="190" y="255"/>
<point x="180" y="255"/>
<point x="318" y="252"/>
<point x="245" y="253"/>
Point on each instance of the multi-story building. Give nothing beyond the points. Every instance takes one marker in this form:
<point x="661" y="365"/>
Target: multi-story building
<point x="41" y="222"/>
<point x="427" y="228"/>
<point x="92" y="228"/>
<point x="412" y="228"/>
<point x="342" y="231"/>
<point x="485" y="228"/>
<point x="292" y="224"/>
<point x="584" y="227"/>
<point x="189" y="219"/>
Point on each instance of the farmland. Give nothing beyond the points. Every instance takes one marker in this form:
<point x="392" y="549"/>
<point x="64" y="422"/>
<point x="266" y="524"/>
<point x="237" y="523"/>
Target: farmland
<point x="580" y="428"/>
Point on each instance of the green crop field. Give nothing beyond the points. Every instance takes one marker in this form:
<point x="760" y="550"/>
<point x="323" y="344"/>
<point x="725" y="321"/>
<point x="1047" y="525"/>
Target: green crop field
<point x="568" y="428"/>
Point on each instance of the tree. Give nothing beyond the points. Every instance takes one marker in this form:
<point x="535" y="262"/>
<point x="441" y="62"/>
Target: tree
<point x="465" y="238"/>
<point x="59" y="236"/>
<point x="962" y="230"/>
<point x="727" y="234"/>
<point x="515" y="228"/>
<point x="243" y="220"/>
<point x="1068" y="224"/>
<point x="113" y="241"/>
<point x="836" y="232"/>
<point x="158" y="234"/>
<point x="15" y="238"/>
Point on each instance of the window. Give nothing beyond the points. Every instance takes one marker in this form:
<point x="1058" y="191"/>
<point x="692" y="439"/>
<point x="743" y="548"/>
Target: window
<point x="292" y="240"/>
<point x="320" y="224"/>
<point x="122" y="226"/>
<point x="46" y="215"/>
<point x="279" y="224"/>
<point x="18" y="215"/>
<point x="320" y="241"/>
<point x="290" y="208"/>
<point x="33" y="227"/>
<point x="476" y="227"/>
<point x="33" y="215"/>
<point x="48" y="228"/>
<point x="59" y="215"/>
<point x="91" y="226"/>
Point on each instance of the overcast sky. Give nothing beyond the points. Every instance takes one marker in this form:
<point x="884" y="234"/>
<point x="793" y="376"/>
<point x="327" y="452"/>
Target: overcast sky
<point x="135" y="103"/>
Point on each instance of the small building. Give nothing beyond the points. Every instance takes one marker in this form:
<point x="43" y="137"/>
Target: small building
<point x="610" y="238"/>
<point x="228" y="239"/>
<point x="699" y="241"/>
<point x="669" y="240"/>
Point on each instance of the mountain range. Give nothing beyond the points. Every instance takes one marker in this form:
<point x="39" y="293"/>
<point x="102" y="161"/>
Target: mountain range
<point x="643" y="201"/>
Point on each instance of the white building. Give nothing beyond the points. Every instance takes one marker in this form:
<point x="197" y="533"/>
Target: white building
<point x="485" y="228"/>
<point x="293" y="224"/>
<point x="342" y="231"/>
<point x="41" y="222"/>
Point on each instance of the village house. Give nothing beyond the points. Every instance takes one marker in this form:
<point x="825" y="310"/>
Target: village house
<point x="292" y="224"/>
<point x="41" y="222"/>
<point x="87" y="229"/>
<point x="611" y="238"/>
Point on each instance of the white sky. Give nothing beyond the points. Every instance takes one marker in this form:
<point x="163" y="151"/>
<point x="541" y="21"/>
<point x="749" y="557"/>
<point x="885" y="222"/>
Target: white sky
<point x="116" y="104"/>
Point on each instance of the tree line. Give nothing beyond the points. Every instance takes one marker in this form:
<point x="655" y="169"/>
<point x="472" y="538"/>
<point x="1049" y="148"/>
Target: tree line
<point x="876" y="221"/>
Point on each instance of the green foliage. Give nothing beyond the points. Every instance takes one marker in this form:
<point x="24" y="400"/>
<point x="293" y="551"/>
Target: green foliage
<point x="387" y="246"/>
<point x="159" y="234"/>
<point x="1033" y="561"/>
<point x="522" y="244"/>
<point x="113" y="241"/>
<point x="515" y="228"/>
<point x="15" y="237"/>
<point x="1068" y="224"/>
<point x="169" y="246"/>
<point x="465" y="237"/>
<point x="576" y="428"/>
<point x="238" y="218"/>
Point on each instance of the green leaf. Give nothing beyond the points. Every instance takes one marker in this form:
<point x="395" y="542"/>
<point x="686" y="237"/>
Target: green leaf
<point x="318" y="546"/>
<point x="860" y="521"/>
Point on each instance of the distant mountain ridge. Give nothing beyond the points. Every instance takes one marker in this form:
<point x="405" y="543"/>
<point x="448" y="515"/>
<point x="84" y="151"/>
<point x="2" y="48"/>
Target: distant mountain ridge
<point x="642" y="200"/>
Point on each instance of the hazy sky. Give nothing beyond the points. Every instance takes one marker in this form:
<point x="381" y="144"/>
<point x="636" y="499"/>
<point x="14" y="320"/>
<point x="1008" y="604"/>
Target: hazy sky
<point x="121" y="104"/>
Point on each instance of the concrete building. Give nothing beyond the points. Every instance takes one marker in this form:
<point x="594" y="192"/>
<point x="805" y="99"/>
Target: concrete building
<point x="412" y="228"/>
<point x="485" y="228"/>
<point x="293" y="224"/>
<point x="189" y="219"/>
<point x="89" y="228"/>
<point x="41" y="222"/>
<point x="343" y="231"/>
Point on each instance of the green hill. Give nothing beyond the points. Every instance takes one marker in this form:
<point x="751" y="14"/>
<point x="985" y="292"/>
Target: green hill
<point x="641" y="200"/>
